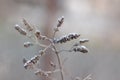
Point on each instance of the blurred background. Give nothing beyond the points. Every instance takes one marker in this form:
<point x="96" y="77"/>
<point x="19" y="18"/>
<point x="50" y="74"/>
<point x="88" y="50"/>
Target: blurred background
<point x="97" y="20"/>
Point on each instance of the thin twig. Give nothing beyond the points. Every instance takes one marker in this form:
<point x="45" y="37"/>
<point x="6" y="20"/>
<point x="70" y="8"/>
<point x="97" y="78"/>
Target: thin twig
<point x="36" y="41"/>
<point x="47" y="47"/>
<point x="59" y="63"/>
<point x="55" y="32"/>
<point x="63" y="50"/>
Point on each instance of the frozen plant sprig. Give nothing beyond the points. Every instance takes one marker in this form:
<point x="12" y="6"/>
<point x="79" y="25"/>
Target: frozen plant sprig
<point x="30" y="63"/>
<point x="66" y="38"/>
<point x="35" y="35"/>
<point x="20" y="30"/>
<point x="28" y="44"/>
<point x="27" y="26"/>
<point x="59" y="23"/>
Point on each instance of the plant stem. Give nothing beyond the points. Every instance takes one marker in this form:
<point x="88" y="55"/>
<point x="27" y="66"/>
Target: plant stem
<point x="55" y="32"/>
<point x="59" y="63"/>
<point x="63" y="50"/>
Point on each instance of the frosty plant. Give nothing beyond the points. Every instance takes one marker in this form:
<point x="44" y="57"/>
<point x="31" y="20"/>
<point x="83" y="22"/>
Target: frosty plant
<point x="35" y="35"/>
